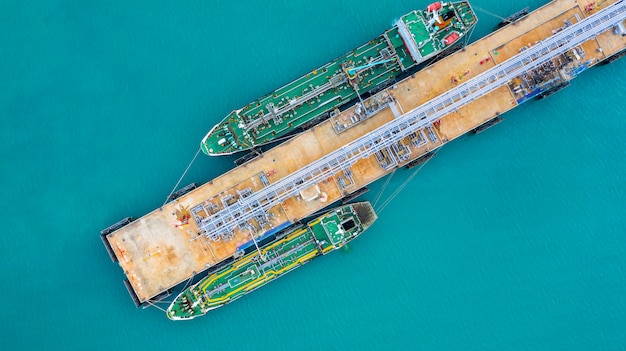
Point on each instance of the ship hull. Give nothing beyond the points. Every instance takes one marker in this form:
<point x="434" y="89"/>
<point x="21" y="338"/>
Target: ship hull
<point x="320" y="236"/>
<point x="415" y="39"/>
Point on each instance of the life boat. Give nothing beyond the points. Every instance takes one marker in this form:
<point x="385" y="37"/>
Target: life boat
<point x="451" y="38"/>
<point x="434" y="6"/>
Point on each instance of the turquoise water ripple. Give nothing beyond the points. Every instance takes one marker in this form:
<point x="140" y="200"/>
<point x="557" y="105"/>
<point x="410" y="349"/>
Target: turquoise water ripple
<point x="509" y="240"/>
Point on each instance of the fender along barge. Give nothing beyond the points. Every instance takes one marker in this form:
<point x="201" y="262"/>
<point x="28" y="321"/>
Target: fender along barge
<point x="212" y="224"/>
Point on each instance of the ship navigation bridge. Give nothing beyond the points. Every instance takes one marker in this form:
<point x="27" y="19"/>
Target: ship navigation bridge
<point x="259" y="203"/>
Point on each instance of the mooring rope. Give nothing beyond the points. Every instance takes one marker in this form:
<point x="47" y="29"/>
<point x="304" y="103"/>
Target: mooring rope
<point x="153" y="305"/>
<point x="468" y="37"/>
<point x="183" y="176"/>
<point x="489" y="13"/>
<point x="403" y="185"/>
<point x="382" y="190"/>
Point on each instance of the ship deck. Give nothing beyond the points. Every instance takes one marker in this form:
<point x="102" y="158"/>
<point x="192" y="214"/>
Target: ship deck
<point x="156" y="252"/>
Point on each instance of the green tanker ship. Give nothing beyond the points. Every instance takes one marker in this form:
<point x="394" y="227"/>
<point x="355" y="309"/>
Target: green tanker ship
<point x="415" y="39"/>
<point x="320" y="236"/>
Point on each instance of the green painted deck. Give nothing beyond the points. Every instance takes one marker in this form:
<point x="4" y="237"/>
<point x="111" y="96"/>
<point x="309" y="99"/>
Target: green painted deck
<point x="429" y="38"/>
<point x="318" y="237"/>
<point x="416" y="25"/>
<point x="331" y="86"/>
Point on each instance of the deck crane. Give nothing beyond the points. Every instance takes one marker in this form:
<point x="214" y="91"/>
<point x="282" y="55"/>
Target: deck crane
<point x="352" y="71"/>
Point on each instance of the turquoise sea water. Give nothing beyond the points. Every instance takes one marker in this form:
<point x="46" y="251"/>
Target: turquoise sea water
<point x="514" y="239"/>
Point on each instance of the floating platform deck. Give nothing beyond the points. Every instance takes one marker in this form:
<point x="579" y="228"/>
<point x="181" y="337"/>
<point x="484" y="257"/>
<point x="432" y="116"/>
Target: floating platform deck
<point x="181" y="239"/>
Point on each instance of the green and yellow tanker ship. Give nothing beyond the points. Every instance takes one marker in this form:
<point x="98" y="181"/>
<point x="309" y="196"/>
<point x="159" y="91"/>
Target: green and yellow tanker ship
<point x="320" y="236"/>
<point x="415" y="39"/>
